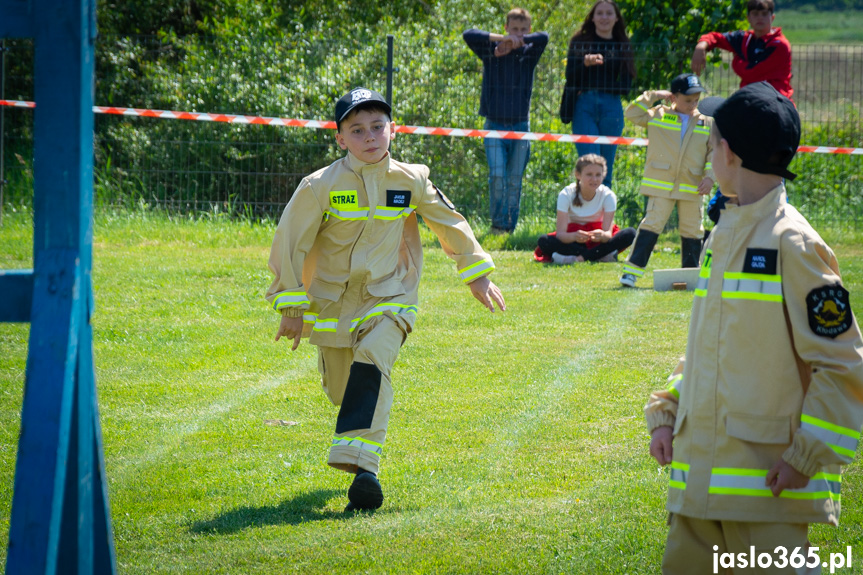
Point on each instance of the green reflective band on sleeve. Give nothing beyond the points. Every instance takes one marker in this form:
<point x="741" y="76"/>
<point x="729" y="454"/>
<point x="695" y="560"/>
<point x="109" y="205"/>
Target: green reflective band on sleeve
<point x="658" y="184"/>
<point x="708" y="166"/>
<point x="348" y="214"/>
<point x="634" y="270"/>
<point x="759" y="287"/>
<point x="366" y="445"/>
<point x="750" y="483"/>
<point x="472" y="272"/>
<point x="387" y="213"/>
<point x="395" y="308"/>
<point x="678" y="475"/>
<point x="290" y="298"/>
<point x="686" y="188"/>
<point x="674" y="382"/>
<point x="840" y="439"/>
<point x="642" y="106"/>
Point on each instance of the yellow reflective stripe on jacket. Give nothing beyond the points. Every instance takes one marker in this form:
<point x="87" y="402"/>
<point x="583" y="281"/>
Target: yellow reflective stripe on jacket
<point x="333" y="324"/>
<point x="348" y="214"/>
<point x="472" y="272"/>
<point x="703" y="130"/>
<point x="658" y="184"/>
<point x="665" y="124"/>
<point x="750" y="483"/>
<point x="364" y="444"/>
<point x="704" y="274"/>
<point x="708" y="166"/>
<point x="629" y="268"/>
<point x="759" y="287"/>
<point x="388" y="213"/>
<point x="842" y="440"/>
<point x="395" y="308"/>
<point x="290" y="298"/>
<point x="679" y="473"/>
<point x="673" y="383"/>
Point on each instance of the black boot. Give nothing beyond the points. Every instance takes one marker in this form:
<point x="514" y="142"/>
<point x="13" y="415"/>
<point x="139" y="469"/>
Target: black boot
<point x="644" y="243"/>
<point x="365" y="492"/>
<point x="690" y="251"/>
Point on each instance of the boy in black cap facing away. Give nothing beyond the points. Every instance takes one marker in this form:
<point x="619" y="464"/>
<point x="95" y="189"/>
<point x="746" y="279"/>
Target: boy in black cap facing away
<point x="676" y="171"/>
<point x="347" y="261"/>
<point x="768" y="404"/>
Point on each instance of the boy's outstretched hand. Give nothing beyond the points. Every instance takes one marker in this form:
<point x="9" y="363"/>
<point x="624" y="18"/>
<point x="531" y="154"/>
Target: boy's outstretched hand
<point x="660" y="444"/>
<point x="291" y="328"/>
<point x="487" y="293"/>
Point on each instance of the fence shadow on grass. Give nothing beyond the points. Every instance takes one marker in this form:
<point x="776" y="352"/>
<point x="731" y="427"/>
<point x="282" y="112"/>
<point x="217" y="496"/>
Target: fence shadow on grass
<point x="303" y="508"/>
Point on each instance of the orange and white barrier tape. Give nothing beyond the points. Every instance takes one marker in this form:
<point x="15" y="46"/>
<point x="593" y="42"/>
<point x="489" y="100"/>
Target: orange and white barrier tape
<point x="420" y="130"/>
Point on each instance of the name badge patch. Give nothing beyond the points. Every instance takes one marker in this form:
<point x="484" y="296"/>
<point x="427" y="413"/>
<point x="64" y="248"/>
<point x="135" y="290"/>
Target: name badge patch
<point x="829" y="311"/>
<point x="760" y="261"/>
<point x="398" y="198"/>
<point x="344" y="200"/>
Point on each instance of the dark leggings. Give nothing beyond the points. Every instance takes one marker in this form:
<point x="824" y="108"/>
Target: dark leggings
<point x="619" y="241"/>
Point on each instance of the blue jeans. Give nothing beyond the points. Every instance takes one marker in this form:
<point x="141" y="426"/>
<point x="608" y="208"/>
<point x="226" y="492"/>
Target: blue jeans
<point x="507" y="160"/>
<point x="598" y="114"/>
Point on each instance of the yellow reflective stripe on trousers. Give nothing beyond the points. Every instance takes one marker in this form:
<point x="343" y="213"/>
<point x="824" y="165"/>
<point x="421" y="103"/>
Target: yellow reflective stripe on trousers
<point x="366" y="445"/>
<point x="759" y="287"/>
<point x="658" y="184"/>
<point x="472" y="272"/>
<point x="290" y="298"/>
<point x="333" y="324"/>
<point x="673" y="383"/>
<point x="750" y="483"/>
<point x="842" y="440"/>
<point x="387" y="213"/>
<point x="348" y="214"/>
<point x="629" y="268"/>
<point x="679" y="473"/>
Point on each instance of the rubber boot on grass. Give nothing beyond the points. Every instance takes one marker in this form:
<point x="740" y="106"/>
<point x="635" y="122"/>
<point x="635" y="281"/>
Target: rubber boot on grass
<point x="690" y="251"/>
<point x="638" y="258"/>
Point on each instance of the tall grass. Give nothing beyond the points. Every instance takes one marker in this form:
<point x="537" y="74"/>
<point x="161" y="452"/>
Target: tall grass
<point x="516" y="442"/>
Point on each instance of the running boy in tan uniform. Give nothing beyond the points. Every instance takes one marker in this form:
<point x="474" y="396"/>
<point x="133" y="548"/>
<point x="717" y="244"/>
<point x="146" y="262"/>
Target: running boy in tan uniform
<point x="347" y="261"/>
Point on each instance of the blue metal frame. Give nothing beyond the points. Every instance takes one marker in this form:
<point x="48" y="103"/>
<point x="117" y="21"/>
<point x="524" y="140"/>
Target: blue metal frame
<point x="60" y="518"/>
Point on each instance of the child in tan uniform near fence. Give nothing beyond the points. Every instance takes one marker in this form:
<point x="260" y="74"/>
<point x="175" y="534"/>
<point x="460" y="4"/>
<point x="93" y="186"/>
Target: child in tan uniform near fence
<point x="768" y="404"/>
<point x="676" y="171"/>
<point x="347" y="261"/>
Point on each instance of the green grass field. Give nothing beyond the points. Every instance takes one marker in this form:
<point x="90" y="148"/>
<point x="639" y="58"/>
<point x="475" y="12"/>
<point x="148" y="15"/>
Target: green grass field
<point x="845" y="27"/>
<point x="516" y="444"/>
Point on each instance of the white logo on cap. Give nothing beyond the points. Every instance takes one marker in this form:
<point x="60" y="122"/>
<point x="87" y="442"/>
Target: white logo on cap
<point x="693" y="80"/>
<point x="360" y="95"/>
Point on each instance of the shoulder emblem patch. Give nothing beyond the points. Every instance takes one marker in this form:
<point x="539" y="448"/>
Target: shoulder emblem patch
<point x="444" y="199"/>
<point x="829" y="311"/>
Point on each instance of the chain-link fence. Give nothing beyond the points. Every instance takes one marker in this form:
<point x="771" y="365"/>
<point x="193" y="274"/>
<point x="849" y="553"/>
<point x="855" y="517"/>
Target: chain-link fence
<point x="254" y="169"/>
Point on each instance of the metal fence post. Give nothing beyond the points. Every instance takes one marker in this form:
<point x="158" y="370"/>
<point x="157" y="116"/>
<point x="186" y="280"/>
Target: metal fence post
<point x="389" y="69"/>
<point x="2" y="125"/>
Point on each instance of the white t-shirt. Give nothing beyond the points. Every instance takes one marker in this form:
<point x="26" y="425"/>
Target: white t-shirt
<point x="604" y="201"/>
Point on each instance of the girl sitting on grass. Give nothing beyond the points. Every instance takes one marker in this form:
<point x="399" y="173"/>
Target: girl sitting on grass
<point x="585" y="219"/>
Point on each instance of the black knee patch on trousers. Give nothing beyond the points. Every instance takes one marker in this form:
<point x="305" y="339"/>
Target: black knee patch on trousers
<point x="360" y="399"/>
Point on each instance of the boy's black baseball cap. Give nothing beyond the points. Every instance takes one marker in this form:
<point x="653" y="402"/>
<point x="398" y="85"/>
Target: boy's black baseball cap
<point x="358" y="97"/>
<point x="762" y="127"/>
<point x="686" y="84"/>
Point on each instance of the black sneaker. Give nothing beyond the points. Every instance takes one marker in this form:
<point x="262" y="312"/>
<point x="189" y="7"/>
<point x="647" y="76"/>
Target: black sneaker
<point x="365" y="492"/>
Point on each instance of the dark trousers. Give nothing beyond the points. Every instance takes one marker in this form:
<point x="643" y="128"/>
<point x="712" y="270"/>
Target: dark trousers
<point x="619" y="241"/>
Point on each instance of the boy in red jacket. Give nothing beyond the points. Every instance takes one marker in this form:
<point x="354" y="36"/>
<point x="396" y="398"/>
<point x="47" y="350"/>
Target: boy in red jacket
<point x="761" y="54"/>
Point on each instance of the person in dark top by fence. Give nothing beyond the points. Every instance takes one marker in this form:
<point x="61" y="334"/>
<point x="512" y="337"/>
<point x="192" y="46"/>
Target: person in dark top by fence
<point x="508" y="64"/>
<point x="599" y="70"/>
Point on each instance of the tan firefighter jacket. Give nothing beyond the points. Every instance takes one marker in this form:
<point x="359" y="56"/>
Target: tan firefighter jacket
<point x="674" y="166"/>
<point x="347" y="248"/>
<point x="773" y="369"/>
